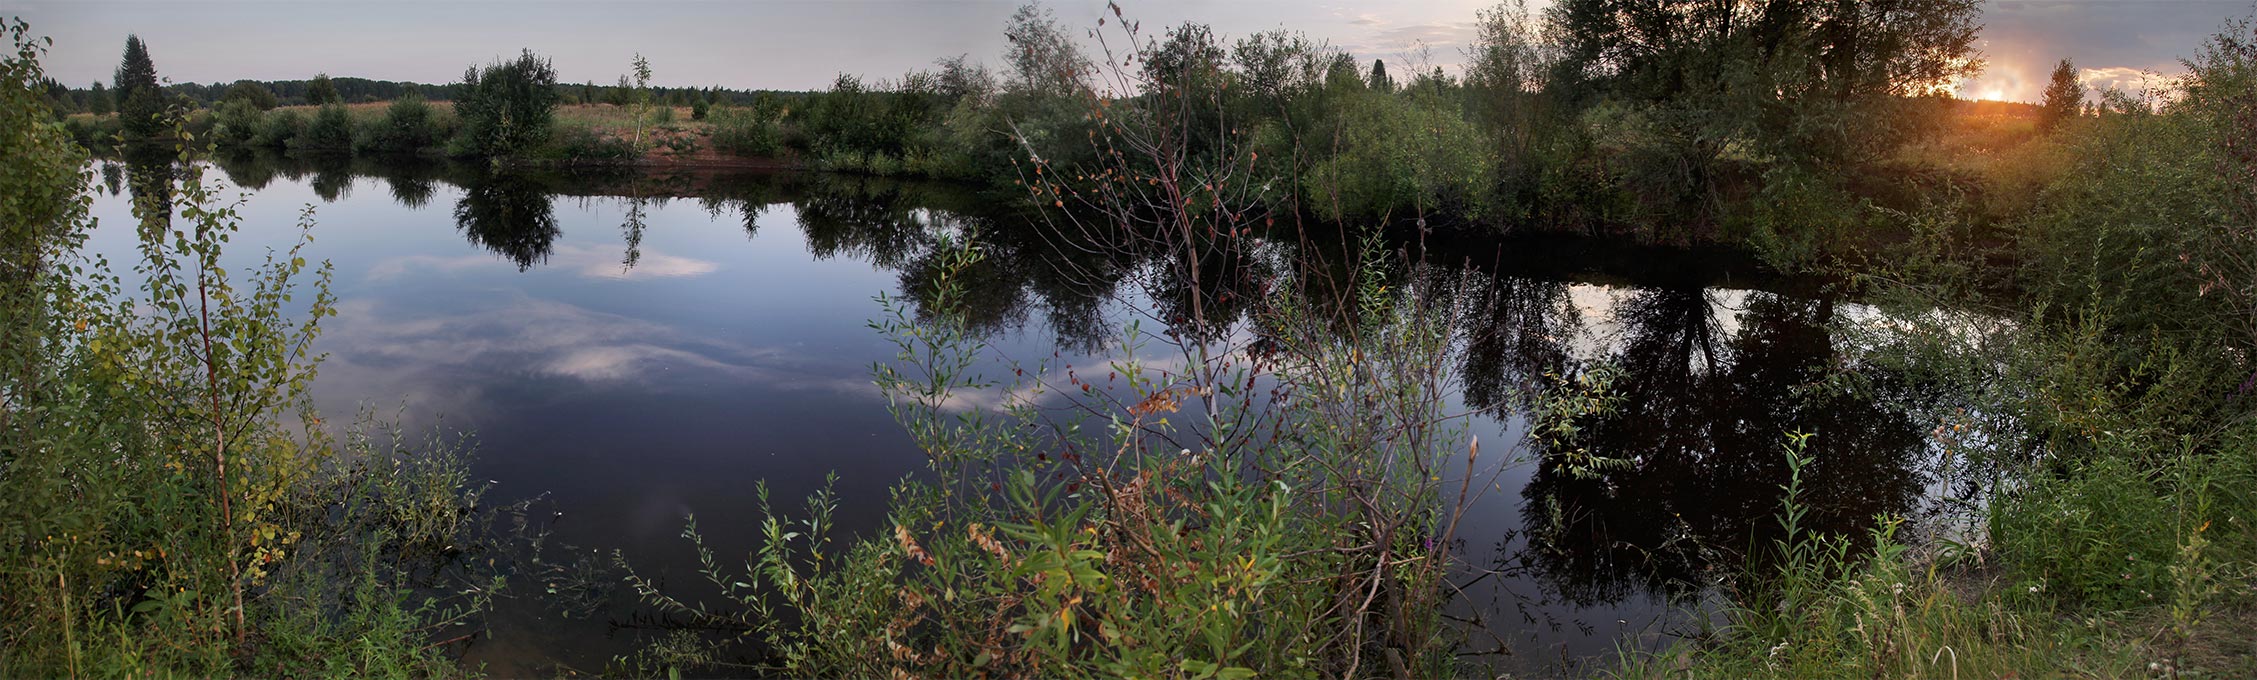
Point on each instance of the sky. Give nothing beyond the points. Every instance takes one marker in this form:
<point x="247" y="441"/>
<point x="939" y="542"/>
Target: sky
<point x="803" y="44"/>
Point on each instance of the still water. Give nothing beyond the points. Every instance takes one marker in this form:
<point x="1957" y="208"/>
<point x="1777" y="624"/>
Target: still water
<point x="628" y="349"/>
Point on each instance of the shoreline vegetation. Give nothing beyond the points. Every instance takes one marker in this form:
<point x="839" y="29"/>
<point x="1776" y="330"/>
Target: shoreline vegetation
<point x="1537" y="133"/>
<point x="1271" y="482"/>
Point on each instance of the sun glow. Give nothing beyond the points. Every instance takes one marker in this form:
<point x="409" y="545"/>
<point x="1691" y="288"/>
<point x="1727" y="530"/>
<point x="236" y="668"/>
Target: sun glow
<point x="1996" y="83"/>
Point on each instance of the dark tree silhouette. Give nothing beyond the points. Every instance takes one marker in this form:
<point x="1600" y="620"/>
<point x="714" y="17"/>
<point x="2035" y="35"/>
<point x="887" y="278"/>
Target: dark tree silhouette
<point x="2064" y="95"/>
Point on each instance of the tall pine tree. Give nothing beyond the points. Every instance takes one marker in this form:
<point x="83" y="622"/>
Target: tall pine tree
<point x="140" y="100"/>
<point x="2063" y="94"/>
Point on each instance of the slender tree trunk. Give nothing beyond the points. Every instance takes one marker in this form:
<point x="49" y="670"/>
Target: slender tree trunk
<point x="219" y="455"/>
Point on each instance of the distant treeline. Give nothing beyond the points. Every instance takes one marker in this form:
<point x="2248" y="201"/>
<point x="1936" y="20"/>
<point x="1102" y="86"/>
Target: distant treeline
<point x="100" y="98"/>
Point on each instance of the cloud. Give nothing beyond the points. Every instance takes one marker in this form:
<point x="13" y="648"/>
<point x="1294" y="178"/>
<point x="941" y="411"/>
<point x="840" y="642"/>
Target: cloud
<point x="588" y="261"/>
<point x="2023" y="39"/>
<point x="392" y="268"/>
<point x="2119" y="78"/>
<point x="445" y="362"/>
<point x="1412" y="46"/>
<point x="605" y="264"/>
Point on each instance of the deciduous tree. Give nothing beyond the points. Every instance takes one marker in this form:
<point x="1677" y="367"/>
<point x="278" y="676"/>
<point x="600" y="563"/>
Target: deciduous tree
<point x="507" y="107"/>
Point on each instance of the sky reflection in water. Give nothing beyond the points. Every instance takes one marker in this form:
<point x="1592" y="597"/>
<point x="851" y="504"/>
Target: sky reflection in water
<point x="737" y="349"/>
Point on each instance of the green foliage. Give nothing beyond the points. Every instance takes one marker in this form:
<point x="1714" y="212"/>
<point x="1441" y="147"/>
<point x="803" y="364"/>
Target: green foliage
<point x="409" y="125"/>
<point x="1379" y="81"/>
<point x="641" y="96"/>
<point x="141" y="102"/>
<point x="167" y="496"/>
<point x="322" y="92"/>
<point x="2114" y="234"/>
<point x="508" y="108"/>
<point x="747" y="132"/>
<point x="330" y="131"/>
<point x="2064" y="95"/>
<point x="581" y="145"/>
<point x="40" y="170"/>
<point x="255" y="94"/>
<point x="2096" y="404"/>
<point x="279" y="129"/>
<point x="237" y="123"/>
<point x="1411" y="155"/>
<point x="1163" y="536"/>
<point x="99" y="101"/>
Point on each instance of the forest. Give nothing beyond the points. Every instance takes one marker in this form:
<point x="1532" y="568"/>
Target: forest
<point x="2067" y="293"/>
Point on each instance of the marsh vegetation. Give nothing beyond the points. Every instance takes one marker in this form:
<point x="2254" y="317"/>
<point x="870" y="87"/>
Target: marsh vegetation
<point x="1196" y="358"/>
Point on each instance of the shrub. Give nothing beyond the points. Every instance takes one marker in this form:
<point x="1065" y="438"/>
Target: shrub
<point x="331" y="130"/>
<point x="582" y="145"/>
<point x="94" y="132"/>
<point x="507" y="108"/>
<point x="409" y="125"/>
<point x="1403" y="155"/>
<point x="237" y="123"/>
<point x="746" y="133"/>
<point x="279" y="129"/>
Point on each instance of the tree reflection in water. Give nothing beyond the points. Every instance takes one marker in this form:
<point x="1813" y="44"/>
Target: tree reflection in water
<point x="1705" y="400"/>
<point x="1700" y="423"/>
<point x="510" y="214"/>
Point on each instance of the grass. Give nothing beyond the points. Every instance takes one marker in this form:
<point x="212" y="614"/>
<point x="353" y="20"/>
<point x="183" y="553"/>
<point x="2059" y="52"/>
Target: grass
<point x="1958" y="611"/>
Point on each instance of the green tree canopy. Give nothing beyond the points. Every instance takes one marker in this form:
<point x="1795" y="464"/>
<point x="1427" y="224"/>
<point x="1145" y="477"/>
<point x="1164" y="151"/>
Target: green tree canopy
<point x="98" y="100"/>
<point x="321" y="90"/>
<point x="252" y="93"/>
<point x="508" y="107"/>
<point x="1043" y="56"/>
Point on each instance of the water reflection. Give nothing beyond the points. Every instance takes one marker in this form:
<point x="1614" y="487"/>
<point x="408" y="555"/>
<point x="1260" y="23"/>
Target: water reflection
<point x="1717" y="360"/>
<point x="1700" y="427"/>
<point x="510" y="214"/>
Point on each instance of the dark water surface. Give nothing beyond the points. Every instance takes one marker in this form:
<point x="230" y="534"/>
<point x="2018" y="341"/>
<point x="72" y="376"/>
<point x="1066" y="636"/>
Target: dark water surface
<point x="631" y="349"/>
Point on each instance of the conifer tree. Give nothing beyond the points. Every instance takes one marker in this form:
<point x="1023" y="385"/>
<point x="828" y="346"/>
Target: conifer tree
<point x="2064" y="96"/>
<point x="140" y="100"/>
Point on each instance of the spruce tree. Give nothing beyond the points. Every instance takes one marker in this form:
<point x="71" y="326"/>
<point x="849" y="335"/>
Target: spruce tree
<point x="1379" y="79"/>
<point x="2064" y="96"/>
<point x="140" y="101"/>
